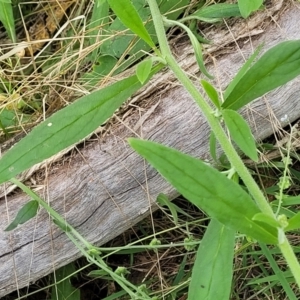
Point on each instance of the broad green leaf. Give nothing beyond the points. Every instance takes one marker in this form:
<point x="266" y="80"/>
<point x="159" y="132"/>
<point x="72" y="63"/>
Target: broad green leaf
<point x="64" y="290"/>
<point x="127" y="13"/>
<point x="294" y="222"/>
<point x="211" y="93"/>
<point x="8" y="119"/>
<point x="7" y="19"/>
<point x="212" y="271"/>
<point x="242" y="71"/>
<point x="172" y="9"/>
<point x="276" y="67"/>
<point x="27" y="212"/>
<point x="240" y="132"/>
<point x="102" y="66"/>
<point x="249" y="6"/>
<point x="217" y="11"/>
<point x="143" y="70"/>
<point x="121" y="43"/>
<point x="67" y="126"/>
<point x="207" y="188"/>
<point x="261" y="217"/>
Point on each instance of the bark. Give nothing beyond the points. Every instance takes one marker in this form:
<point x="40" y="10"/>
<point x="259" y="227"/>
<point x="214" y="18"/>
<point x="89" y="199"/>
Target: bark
<point x="104" y="188"/>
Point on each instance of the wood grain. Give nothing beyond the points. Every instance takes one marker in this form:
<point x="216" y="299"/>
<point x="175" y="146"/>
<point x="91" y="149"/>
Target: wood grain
<point x="107" y="187"/>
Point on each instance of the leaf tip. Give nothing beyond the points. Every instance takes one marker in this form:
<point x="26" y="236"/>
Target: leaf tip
<point x="11" y="227"/>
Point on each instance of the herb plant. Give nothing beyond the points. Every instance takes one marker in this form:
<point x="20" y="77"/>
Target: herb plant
<point x="231" y="207"/>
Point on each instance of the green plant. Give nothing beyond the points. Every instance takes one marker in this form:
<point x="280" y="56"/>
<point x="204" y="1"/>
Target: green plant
<point x="272" y="70"/>
<point x="230" y="206"/>
<point x="7" y="18"/>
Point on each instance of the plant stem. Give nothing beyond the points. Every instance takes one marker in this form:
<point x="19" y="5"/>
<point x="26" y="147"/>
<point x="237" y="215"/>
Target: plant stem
<point x="289" y="255"/>
<point x="122" y="281"/>
<point x="221" y="136"/>
<point x="75" y="236"/>
<point x="232" y="155"/>
<point x="56" y="216"/>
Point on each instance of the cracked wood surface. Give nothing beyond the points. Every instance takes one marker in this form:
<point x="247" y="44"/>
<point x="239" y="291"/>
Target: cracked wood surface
<point x="103" y="190"/>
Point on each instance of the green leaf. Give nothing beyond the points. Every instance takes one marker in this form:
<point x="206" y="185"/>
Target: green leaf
<point x="7" y="19"/>
<point x="172" y="9"/>
<point x="102" y="66"/>
<point x="217" y="11"/>
<point x="143" y="70"/>
<point x="212" y="271"/>
<point x="242" y="71"/>
<point x="67" y="126"/>
<point x="211" y="93"/>
<point x="294" y="222"/>
<point x="276" y="67"/>
<point x="127" y="13"/>
<point x="240" y="133"/>
<point x="120" y="43"/>
<point x="99" y="20"/>
<point x="195" y="43"/>
<point x="205" y="187"/>
<point x="64" y="290"/>
<point x="27" y="212"/>
<point x="181" y="272"/>
<point x="163" y="200"/>
<point x="8" y="118"/>
<point x="198" y="53"/>
<point x="291" y="200"/>
<point x="249" y="6"/>
<point x="261" y="217"/>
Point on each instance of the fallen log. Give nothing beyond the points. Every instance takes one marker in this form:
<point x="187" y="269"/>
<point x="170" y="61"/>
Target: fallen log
<point x="105" y="188"/>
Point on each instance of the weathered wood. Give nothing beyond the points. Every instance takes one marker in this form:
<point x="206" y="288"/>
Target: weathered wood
<point x="108" y="188"/>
